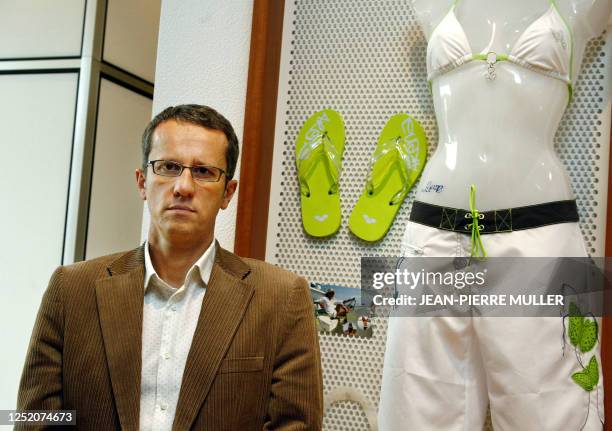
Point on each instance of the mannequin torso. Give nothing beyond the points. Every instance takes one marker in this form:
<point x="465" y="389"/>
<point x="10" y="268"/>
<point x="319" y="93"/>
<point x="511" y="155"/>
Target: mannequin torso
<point x="498" y="134"/>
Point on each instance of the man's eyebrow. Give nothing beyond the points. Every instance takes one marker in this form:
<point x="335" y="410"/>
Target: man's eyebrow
<point x="192" y="162"/>
<point x="199" y="162"/>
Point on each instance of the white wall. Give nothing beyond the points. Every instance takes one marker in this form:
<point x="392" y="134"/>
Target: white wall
<point x="130" y="38"/>
<point x="203" y="57"/>
<point x="36" y="122"/>
<point x="41" y="28"/>
<point x="115" y="214"/>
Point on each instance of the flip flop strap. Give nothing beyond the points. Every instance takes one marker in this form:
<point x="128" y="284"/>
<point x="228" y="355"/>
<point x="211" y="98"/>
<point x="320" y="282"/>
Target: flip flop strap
<point x="320" y="147"/>
<point x="477" y="249"/>
<point x="387" y="156"/>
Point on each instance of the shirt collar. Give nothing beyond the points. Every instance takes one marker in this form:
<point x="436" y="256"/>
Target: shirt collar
<point x="204" y="265"/>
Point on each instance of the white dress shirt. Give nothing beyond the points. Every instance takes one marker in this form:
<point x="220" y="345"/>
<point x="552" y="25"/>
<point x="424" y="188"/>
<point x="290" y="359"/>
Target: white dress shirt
<point x="169" y="321"/>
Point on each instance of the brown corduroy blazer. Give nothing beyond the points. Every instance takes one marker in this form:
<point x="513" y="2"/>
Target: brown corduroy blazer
<point x="254" y="361"/>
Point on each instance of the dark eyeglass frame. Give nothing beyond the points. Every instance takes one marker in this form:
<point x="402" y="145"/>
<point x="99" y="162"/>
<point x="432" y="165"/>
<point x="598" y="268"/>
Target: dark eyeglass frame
<point x="183" y="167"/>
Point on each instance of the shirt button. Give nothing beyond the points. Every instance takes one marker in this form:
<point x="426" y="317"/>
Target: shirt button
<point x="167" y="355"/>
<point x="174" y="308"/>
<point x="163" y="406"/>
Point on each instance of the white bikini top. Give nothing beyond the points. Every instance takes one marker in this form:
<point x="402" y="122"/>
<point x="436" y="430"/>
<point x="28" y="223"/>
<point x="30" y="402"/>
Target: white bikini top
<point x="544" y="47"/>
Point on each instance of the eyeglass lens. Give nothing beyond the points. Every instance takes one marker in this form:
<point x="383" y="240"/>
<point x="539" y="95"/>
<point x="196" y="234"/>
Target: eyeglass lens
<point x="169" y="168"/>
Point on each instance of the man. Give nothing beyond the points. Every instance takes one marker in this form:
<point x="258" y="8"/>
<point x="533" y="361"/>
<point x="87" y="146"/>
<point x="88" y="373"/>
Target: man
<point x="332" y="308"/>
<point x="178" y="334"/>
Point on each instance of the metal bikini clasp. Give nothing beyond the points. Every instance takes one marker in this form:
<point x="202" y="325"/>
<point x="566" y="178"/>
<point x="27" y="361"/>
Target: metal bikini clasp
<point x="491" y="60"/>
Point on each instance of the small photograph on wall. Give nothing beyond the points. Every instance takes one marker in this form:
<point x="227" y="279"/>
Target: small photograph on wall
<point x="338" y="311"/>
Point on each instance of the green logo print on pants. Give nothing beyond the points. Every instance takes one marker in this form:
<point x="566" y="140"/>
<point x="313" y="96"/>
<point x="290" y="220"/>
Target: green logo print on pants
<point x="582" y="333"/>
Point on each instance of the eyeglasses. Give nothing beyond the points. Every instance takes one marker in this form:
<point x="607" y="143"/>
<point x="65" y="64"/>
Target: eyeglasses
<point x="200" y="173"/>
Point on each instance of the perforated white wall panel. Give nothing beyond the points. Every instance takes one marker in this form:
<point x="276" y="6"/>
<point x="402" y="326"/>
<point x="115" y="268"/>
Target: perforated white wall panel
<point x="366" y="59"/>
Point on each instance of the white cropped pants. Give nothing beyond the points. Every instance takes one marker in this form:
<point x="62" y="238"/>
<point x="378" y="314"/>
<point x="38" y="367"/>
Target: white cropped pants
<point x="440" y="373"/>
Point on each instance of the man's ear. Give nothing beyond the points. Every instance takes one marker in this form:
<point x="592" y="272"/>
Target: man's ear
<point x="230" y="189"/>
<point x="141" y="184"/>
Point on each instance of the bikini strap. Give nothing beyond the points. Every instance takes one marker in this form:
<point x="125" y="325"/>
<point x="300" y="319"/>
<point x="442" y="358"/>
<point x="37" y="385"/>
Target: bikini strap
<point x="452" y="7"/>
<point x="571" y="47"/>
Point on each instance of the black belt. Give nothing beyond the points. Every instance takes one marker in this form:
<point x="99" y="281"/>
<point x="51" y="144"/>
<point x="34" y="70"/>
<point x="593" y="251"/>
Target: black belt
<point x="507" y="220"/>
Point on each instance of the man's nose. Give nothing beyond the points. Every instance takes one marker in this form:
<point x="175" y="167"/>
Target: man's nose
<point x="184" y="184"/>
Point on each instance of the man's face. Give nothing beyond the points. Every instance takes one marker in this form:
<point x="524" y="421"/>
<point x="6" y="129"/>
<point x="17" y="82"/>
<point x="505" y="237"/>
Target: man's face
<point x="182" y="210"/>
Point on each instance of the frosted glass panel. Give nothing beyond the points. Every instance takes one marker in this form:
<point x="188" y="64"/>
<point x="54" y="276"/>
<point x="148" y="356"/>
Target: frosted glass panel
<point x="41" y="28"/>
<point x="115" y="212"/>
<point x="130" y="38"/>
<point x="36" y="125"/>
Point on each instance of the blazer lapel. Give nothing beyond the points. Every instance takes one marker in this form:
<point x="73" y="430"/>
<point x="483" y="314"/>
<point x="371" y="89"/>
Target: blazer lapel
<point x="120" y="300"/>
<point x="225" y="302"/>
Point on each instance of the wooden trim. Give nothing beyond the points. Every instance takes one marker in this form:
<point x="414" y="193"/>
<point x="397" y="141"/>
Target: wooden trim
<point x="259" y="126"/>
<point x="606" y="331"/>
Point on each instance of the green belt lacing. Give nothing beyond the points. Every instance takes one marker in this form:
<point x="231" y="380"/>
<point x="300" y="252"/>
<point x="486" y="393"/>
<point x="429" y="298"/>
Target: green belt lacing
<point x="477" y="249"/>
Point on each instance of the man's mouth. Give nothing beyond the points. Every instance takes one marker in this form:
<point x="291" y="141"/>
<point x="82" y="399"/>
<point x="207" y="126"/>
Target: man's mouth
<point x="181" y="208"/>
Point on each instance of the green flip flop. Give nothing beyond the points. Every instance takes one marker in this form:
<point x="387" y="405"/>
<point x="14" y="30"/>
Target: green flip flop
<point x="395" y="166"/>
<point x="318" y="157"/>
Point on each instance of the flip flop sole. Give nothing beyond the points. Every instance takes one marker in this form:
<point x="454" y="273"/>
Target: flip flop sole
<point x="374" y="213"/>
<point x="321" y="212"/>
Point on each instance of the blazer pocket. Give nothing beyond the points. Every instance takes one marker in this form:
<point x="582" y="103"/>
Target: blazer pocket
<point x="241" y="365"/>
